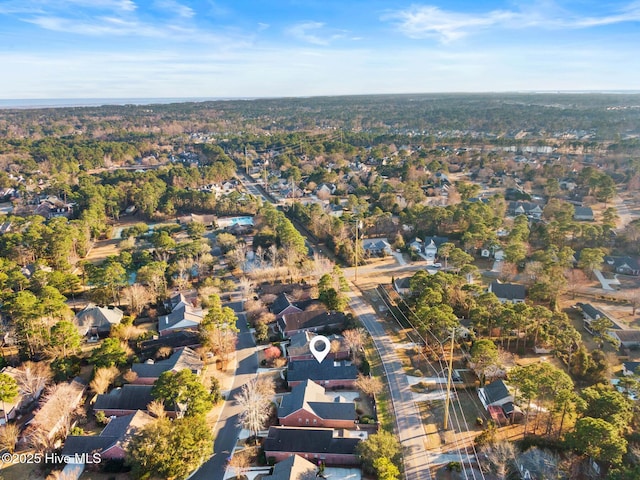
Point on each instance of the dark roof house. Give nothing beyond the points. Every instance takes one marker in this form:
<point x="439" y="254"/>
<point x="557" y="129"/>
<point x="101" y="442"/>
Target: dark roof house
<point x="112" y="441"/>
<point x="308" y="404"/>
<point x="126" y="400"/>
<point x="328" y="373"/>
<point x="148" y="372"/>
<point x="508" y="292"/>
<point x="624" y="265"/>
<point x="317" y="444"/>
<point x="298" y="347"/>
<point x="309" y="320"/>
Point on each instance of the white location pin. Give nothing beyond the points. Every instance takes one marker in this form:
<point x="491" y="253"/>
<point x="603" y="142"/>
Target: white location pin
<point x="319" y="354"/>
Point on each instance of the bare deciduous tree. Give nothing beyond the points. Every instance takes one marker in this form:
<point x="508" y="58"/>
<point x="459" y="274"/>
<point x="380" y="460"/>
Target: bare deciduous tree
<point x="368" y="385"/>
<point x="32" y="378"/>
<point x="239" y="464"/>
<point x="138" y="297"/>
<point x="355" y="340"/>
<point x="255" y="401"/>
<point x="500" y="458"/>
<point x="102" y="378"/>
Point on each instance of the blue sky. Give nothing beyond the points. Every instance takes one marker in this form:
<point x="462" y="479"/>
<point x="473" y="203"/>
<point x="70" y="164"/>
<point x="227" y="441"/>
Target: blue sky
<point x="239" y="48"/>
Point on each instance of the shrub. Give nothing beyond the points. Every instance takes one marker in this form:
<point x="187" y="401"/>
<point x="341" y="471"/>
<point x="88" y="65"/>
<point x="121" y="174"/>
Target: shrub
<point x="454" y="467"/>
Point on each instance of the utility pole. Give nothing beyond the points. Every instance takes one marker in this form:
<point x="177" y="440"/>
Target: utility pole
<point x="246" y="160"/>
<point x="448" y="397"/>
<point x="355" y="251"/>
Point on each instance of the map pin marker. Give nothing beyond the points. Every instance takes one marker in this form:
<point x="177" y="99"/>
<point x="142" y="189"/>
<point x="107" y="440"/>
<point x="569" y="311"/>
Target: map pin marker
<point x="319" y="354"/>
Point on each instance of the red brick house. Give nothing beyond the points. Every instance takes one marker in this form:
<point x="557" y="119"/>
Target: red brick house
<point x="112" y="441"/>
<point x="127" y="400"/>
<point x="313" y="444"/>
<point x="308" y="405"/>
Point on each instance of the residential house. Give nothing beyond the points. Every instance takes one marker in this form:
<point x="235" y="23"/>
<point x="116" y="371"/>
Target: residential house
<point x="148" y="372"/>
<point x="52" y="207"/>
<point x="498" y="401"/>
<point x="431" y="246"/>
<point x="335" y="210"/>
<point x="314" y="444"/>
<point x="183" y="316"/>
<point x="298" y="347"/>
<point x="309" y="405"/>
<point x="310" y="320"/>
<point x="583" y="214"/>
<point x="174" y="340"/>
<point x="589" y="314"/>
<point x="112" y="442"/>
<point x="126" y="400"/>
<point x="330" y="373"/>
<point x="402" y="285"/>
<point x="292" y="468"/>
<point x="508" y="292"/>
<point x="376" y="246"/>
<point x="623" y="265"/>
<point x="630" y="368"/>
<point x="97" y="321"/>
<point x="531" y="210"/>
<point x="284" y="304"/>
<point x="627" y="338"/>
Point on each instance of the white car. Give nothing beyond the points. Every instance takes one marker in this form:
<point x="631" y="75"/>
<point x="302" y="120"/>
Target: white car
<point x="437" y="265"/>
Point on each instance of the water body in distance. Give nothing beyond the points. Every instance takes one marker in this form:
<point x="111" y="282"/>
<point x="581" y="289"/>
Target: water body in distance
<point x="98" y="102"/>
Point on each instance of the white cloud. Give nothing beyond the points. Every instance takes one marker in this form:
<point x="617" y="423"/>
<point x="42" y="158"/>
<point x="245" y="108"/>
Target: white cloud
<point x="429" y="21"/>
<point x="314" y="33"/>
<point x="177" y="8"/>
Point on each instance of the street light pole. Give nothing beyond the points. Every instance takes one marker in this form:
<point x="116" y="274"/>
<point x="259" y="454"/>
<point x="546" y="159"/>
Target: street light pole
<point x="448" y="397"/>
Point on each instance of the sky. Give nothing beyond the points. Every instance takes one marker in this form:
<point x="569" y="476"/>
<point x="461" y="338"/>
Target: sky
<point x="267" y="48"/>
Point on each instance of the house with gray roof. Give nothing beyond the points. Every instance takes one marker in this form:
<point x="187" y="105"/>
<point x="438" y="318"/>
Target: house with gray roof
<point x="376" y="246"/>
<point x="284" y="304"/>
<point x="624" y="265"/>
<point x="148" y="372"/>
<point x="508" y="292"/>
<point x="314" y="444"/>
<point x="308" y="405"/>
<point x="183" y="316"/>
<point x="309" y="321"/>
<point x="126" y="400"/>
<point x="293" y="468"/>
<point x="630" y="368"/>
<point x="498" y="401"/>
<point x="112" y="442"/>
<point x="329" y="373"/>
<point x="97" y="321"/>
<point x="583" y="214"/>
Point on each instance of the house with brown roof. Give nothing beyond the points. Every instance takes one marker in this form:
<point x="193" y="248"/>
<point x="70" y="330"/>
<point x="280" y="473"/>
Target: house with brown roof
<point x="314" y="444"/>
<point x="308" y="405"/>
<point x="148" y="372"/>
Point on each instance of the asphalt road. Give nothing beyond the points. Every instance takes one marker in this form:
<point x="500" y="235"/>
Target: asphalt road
<point x="408" y="422"/>
<point x="227" y="429"/>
